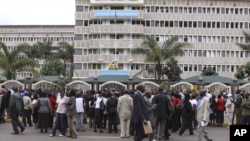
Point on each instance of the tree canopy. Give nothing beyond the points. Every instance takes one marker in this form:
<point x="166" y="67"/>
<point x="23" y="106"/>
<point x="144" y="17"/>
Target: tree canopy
<point x="159" y="54"/>
<point x="15" y="61"/>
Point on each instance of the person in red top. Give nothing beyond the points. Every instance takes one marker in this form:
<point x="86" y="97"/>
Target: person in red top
<point x="176" y="117"/>
<point x="220" y="111"/>
<point x="53" y="106"/>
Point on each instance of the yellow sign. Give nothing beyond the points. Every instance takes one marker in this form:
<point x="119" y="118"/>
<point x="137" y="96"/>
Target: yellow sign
<point x="113" y="65"/>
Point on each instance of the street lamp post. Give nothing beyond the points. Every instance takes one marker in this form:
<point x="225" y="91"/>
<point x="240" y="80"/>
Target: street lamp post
<point x="130" y="83"/>
<point x="200" y="83"/>
<point x="95" y="83"/>
<point x="28" y="83"/>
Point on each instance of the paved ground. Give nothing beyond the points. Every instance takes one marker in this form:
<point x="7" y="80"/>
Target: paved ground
<point x="32" y="134"/>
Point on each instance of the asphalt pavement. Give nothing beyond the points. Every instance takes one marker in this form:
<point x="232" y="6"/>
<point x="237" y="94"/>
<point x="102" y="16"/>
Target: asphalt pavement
<point x="32" y="134"/>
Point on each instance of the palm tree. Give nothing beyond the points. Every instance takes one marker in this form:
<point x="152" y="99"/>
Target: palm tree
<point x="45" y="48"/>
<point x="159" y="54"/>
<point x="31" y="51"/>
<point x="66" y="53"/>
<point x="245" y="46"/>
<point x="10" y="62"/>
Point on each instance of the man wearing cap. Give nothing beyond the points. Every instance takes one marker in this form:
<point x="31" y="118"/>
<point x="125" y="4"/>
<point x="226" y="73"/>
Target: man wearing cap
<point x="229" y="109"/>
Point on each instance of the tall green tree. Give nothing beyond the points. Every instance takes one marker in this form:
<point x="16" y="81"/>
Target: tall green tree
<point x="209" y="72"/>
<point x="240" y="74"/>
<point x="53" y="67"/>
<point x="32" y="51"/>
<point x="12" y="62"/>
<point x="172" y="70"/>
<point x="245" y="46"/>
<point x="45" y="48"/>
<point x="243" y="71"/>
<point x="158" y="54"/>
<point x="66" y="53"/>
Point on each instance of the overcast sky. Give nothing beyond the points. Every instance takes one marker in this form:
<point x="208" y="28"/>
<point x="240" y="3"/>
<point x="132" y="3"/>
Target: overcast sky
<point x="37" y="12"/>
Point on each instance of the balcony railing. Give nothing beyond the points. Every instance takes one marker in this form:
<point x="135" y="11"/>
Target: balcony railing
<point x="120" y="2"/>
<point x="135" y="29"/>
<point x="115" y="44"/>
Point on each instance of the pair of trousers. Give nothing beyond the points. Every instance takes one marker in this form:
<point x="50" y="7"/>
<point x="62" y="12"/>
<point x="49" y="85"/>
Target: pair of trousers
<point x="26" y="117"/>
<point x="79" y="121"/>
<point x="72" y="129"/>
<point x="125" y="126"/>
<point x="15" y="121"/>
<point x="139" y="132"/>
<point x="229" y="116"/>
<point x="202" y="133"/>
<point x="60" y="123"/>
<point x="159" y="130"/>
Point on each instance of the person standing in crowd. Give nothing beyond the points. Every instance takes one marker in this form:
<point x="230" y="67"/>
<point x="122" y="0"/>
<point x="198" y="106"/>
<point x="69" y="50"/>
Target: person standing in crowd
<point x="212" y="116"/>
<point x="148" y="98"/>
<point x="220" y="111"/>
<point x="2" y="105"/>
<point x="162" y="111"/>
<point x="187" y="116"/>
<point x="16" y="108"/>
<point x="34" y="109"/>
<point x="44" y="110"/>
<point x="175" y="120"/>
<point x="26" y="115"/>
<point x="229" y="109"/>
<point x="90" y="108"/>
<point x="52" y="101"/>
<point x="245" y="117"/>
<point x="139" y="113"/>
<point x="193" y="101"/>
<point x="60" y="120"/>
<point x="99" y="109"/>
<point x="71" y="113"/>
<point x="124" y="109"/>
<point x="237" y="106"/>
<point x="202" y="108"/>
<point x="111" y="108"/>
<point x="79" y="112"/>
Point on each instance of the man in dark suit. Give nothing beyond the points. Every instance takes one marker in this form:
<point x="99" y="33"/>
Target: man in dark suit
<point x="139" y="113"/>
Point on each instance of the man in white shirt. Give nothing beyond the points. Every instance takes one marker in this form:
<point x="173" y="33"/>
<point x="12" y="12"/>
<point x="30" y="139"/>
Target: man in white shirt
<point x="26" y="115"/>
<point x="229" y="109"/>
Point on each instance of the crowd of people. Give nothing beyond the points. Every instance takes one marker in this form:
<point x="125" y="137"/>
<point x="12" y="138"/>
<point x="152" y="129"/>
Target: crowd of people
<point x="68" y="111"/>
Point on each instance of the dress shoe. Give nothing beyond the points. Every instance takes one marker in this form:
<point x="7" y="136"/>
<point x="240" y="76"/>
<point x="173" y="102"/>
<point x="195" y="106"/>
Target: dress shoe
<point x="22" y="129"/>
<point x="14" y="133"/>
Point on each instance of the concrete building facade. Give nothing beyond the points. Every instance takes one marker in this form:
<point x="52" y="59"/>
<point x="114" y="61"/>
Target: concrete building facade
<point x="107" y="30"/>
<point x="13" y="35"/>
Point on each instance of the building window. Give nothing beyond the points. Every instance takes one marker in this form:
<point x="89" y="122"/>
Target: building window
<point x="78" y="37"/>
<point x="77" y="51"/>
<point x="78" y="66"/>
<point x="79" y="22"/>
<point x="79" y="8"/>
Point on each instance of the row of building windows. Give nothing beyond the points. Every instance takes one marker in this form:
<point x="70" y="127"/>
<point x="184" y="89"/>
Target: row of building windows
<point x="216" y="53"/>
<point x="183" y="67"/>
<point x="181" y="24"/>
<point x="217" y="68"/>
<point x="85" y="66"/>
<point x="35" y="39"/>
<point x="162" y="38"/>
<point x="190" y="53"/>
<point x="173" y="9"/>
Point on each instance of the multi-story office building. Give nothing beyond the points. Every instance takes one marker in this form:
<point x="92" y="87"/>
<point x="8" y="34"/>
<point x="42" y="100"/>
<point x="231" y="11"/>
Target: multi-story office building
<point x="107" y="30"/>
<point x="31" y="34"/>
